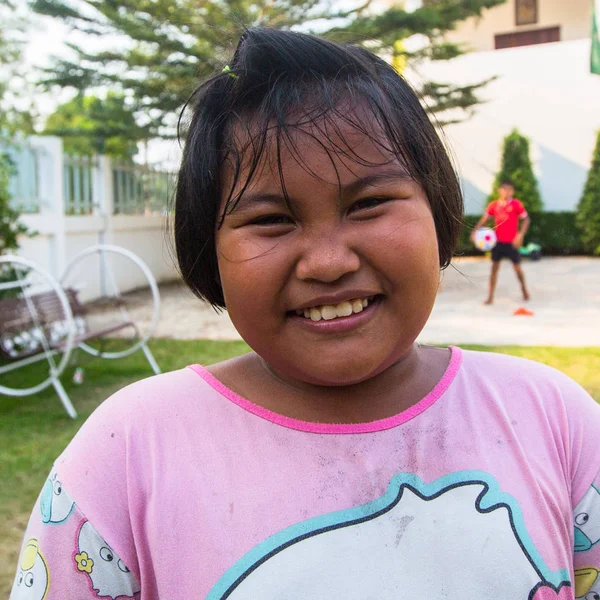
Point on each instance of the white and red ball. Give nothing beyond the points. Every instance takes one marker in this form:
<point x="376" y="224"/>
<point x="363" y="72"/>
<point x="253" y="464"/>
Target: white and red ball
<point x="485" y="239"/>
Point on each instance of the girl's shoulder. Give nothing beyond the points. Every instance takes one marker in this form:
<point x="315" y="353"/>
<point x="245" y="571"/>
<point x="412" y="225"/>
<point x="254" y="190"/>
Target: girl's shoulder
<point x="522" y="381"/>
<point x="509" y="368"/>
<point x="154" y="410"/>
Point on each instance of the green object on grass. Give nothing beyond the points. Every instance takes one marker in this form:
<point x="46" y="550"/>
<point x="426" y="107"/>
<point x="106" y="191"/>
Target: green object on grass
<point x="530" y="249"/>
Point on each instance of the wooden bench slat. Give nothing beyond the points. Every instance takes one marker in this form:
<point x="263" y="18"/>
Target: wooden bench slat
<point x="16" y="319"/>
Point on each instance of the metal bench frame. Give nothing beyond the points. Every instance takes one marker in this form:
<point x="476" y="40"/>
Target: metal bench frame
<point x="42" y="311"/>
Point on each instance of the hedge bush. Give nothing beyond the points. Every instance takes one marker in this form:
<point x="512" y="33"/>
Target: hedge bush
<point x="556" y="232"/>
<point x="588" y="211"/>
<point x="516" y="167"/>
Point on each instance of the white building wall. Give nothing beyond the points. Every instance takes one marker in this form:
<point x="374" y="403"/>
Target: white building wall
<point x="573" y="16"/>
<point x="548" y="93"/>
<point x="61" y="237"/>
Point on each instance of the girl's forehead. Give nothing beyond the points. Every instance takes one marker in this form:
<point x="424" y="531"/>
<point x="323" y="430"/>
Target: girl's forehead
<point x="332" y="151"/>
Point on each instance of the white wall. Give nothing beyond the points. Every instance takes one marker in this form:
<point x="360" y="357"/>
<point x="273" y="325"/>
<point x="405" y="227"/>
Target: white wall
<point x="61" y="237"/>
<point x="545" y="91"/>
<point x="573" y="16"/>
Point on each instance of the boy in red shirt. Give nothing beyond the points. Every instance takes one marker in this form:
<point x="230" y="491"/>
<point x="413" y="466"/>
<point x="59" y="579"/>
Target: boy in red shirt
<point x="507" y="212"/>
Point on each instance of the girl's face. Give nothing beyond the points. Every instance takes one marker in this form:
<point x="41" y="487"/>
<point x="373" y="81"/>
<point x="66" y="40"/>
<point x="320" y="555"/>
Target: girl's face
<point x="359" y="232"/>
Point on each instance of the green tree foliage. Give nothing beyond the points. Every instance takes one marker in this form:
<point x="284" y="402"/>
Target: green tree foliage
<point x="11" y="71"/>
<point x="169" y="45"/>
<point x="10" y="227"/>
<point x="588" y="211"/>
<point x="92" y="125"/>
<point x="516" y="167"/>
<point x="10" y="120"/>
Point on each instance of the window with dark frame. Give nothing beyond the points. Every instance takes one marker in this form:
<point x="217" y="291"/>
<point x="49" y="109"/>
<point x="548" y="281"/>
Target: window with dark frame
<point x="527" y="38"/>
<point x="526" y="12"/>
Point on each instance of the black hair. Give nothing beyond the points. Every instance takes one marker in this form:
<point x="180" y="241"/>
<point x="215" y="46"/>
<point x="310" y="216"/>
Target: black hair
<point x="281" y="80"/>
<point x="507" y="182"/>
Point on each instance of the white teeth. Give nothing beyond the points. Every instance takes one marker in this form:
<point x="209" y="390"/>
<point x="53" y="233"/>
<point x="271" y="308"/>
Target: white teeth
<point x="343" y="310"/>
<point x="315" y="314"/>
<point x="328" y="311"/>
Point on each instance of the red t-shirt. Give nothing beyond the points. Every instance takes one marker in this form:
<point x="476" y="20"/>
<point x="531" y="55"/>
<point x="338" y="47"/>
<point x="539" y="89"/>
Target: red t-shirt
<point x="506" y="214"/>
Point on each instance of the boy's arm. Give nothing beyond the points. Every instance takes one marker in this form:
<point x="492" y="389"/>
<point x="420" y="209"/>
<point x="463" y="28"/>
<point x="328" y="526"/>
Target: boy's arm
<point x="525" y="223"/>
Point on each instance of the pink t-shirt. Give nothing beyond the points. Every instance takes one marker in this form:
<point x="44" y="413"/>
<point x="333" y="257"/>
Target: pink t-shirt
<point x="177" y="488"/>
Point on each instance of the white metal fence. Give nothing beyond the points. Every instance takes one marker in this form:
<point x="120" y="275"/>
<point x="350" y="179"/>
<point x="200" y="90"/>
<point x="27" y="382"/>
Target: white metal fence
<point x="139" y="190"/>
<point x="24" y="186"/>
<point x="74" y="202"/>
<point x="78" y="184"/>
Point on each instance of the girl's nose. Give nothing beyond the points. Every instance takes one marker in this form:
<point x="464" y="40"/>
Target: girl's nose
<point x="326" y="258"/>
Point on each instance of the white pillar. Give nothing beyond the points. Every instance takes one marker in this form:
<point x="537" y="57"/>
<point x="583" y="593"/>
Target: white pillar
<point x="52" y="207"/>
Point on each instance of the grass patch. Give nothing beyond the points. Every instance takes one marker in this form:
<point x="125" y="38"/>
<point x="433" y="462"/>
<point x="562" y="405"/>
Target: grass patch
<point x="34" y="430"/>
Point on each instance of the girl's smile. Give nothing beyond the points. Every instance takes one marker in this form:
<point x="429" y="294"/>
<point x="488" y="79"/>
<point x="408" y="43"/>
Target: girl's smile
<point x="330" y="317"/>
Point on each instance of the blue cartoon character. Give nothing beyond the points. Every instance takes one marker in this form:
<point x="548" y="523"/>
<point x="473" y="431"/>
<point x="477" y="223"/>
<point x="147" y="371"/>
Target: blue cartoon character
<point x="457" y="537"/>
<point x="109" y="577"/>
<point x="586" y="518"/>
<point x="32" y="580"/>
<point x="587" y="583"/>
<point x="55" y="504"/>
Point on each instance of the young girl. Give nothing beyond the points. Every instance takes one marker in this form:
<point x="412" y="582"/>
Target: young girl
<point x="340" y="459"/>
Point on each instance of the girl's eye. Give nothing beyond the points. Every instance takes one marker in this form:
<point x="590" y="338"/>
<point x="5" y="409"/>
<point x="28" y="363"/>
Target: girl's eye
<point x="367" y="203"/>
<point x="271" y="220"/>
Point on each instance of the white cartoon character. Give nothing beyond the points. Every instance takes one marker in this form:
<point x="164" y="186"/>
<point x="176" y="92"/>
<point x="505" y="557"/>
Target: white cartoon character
<point x="32" y="581"/>
<point x="587" y="520"/>
<point x="457" y="537"/>
<point x="107" y="572"/>
<point x="55" y="504"/>
<point x="587" y="583"/>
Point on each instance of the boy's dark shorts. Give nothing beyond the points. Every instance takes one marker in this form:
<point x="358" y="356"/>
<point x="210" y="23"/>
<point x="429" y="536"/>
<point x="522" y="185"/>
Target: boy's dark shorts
<point x="502" y="250"/>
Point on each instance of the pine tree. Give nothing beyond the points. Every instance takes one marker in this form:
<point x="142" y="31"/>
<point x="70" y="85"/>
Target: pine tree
<point x="169" y="45"/>
<point x="588" y="210"/>
<point x="516" y="167"/>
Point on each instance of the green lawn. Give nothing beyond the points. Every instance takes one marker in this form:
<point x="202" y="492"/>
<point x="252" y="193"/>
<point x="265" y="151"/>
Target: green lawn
<point x="34" y="430"/>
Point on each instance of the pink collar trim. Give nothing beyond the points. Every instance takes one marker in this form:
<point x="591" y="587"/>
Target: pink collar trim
<point x="339" y="428"/>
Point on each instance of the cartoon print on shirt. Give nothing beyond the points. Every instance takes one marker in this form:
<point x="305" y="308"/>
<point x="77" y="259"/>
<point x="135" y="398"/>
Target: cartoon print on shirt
<point x="587" y="583"/>
<point x="33" y="579"/>
<point x="586" y="516"/>
<point x="418" y="540"/>
<point x="108" y="575"/>
<point x="55" y="503"/>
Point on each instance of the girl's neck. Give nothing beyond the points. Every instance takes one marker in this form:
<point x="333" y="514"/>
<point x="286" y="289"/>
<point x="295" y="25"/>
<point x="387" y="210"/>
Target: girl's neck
<point x="393" y="390"/>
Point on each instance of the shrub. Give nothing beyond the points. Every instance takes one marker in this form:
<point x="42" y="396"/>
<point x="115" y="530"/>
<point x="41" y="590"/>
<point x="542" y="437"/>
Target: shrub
<point x="588" y="211"/>
<point x="516" y="167"/>
<point x="10" y="228"/>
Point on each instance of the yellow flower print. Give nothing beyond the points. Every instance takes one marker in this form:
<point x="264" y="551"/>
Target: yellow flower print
<point x="84" y="562"/>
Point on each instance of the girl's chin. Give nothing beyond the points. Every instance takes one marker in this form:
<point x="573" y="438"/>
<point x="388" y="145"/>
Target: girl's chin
<point x="338" y="375"/>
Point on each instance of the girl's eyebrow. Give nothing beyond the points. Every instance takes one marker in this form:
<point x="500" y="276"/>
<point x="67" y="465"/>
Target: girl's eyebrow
<point x="384" y="176"/>
<point x="253" y="199"/>
<point x="347" y="189"/>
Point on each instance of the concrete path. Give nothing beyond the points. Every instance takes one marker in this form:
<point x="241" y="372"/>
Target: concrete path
<point x="565" y="301"/>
